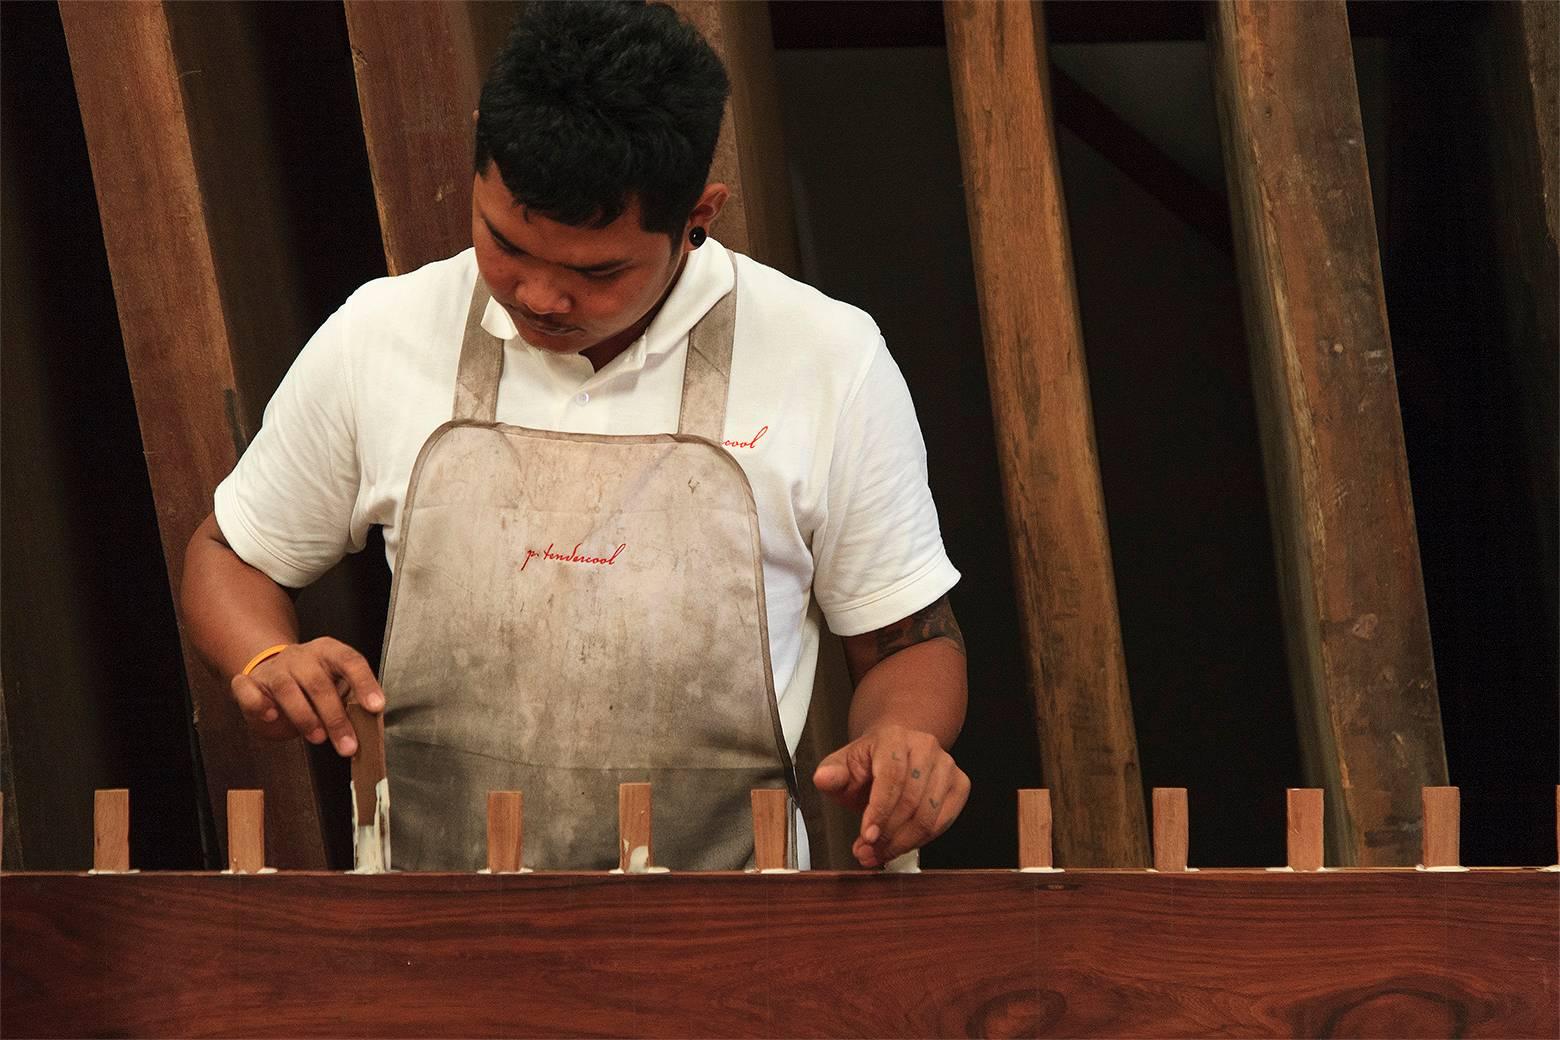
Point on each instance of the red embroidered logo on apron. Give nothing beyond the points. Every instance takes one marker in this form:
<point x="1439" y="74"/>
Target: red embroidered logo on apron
<point x="572" y="557"/>
<point x="747" y="444"/>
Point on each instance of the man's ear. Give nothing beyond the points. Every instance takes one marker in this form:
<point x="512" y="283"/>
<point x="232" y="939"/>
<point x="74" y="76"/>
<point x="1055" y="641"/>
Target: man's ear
<point x="708" y="207"/>
<point x="474" y="117"/>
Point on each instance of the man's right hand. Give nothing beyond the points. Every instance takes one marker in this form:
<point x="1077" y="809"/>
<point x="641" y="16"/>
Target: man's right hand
<point x="300" y="691"/>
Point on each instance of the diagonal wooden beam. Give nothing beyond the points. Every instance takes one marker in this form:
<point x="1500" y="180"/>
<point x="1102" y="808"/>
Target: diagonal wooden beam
<point x="1356" y="629"/>
<point x="1044" y="426"/>
<point x="165" y="259"/>
<point x="1203" y="209"/>
<point x="419" y="71"/>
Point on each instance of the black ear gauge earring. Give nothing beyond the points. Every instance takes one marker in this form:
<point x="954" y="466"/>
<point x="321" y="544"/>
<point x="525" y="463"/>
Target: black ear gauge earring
<point x="697" y="235"/>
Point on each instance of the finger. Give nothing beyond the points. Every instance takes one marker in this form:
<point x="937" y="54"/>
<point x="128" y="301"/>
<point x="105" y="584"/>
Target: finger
<point x="299" y="711"/>
<point x="846" y="775"/>
<point x="921" y="754"/>
<point x="353" y="667"/>
<point x="260" y="711"/>
<point x="953" y="805"/>
<point x="889" y="770"/>
<point x="321" y="691"/>
<point x="920" y="826"/>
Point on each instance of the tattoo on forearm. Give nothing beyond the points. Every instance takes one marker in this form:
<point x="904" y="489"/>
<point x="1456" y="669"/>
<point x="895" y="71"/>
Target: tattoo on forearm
<point x="933" y="622"/>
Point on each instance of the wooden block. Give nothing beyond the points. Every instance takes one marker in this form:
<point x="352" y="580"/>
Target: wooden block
<point x="111" y="830"/>
<point x="1034" y="828"/>
<point x="1169" y="829"/>
<point x="771" y="827"/>
<point x="246" y="831"/>
<point x="1442" y="827"/>
<point x="505" y="817"/>
<point x="634" y="851"/>
<point x="368" y="764"/>
<point x="1305" y="828"/>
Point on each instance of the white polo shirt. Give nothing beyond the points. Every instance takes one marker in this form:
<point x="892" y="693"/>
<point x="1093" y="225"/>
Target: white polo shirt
<point x="818" y="416"/>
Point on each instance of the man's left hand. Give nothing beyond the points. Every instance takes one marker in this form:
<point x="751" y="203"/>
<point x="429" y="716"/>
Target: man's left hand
<point x="908" y="789"/>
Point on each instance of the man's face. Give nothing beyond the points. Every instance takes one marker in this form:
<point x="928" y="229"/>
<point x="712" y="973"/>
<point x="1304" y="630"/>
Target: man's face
<point x="567" y="288"/>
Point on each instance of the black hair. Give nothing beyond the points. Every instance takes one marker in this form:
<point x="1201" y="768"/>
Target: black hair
<point x="591" y="104"/>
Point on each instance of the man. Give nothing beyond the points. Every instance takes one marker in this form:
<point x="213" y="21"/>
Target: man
<point x="604" y="550"/>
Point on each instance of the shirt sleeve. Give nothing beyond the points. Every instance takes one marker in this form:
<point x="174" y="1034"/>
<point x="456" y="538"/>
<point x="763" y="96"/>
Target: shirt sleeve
<point x="879" y="554"/>
<point x="287" y="507"/>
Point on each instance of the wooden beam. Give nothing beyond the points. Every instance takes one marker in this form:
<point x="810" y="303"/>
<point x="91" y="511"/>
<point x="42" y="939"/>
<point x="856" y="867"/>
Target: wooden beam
<point x="159" y="227"/>
<point x="419" y="72"/>
<point x="993" y="953"/>
<point x="1040" y="403"/>
<point x="750" y="156"/>
<point x="1356" y="629"/>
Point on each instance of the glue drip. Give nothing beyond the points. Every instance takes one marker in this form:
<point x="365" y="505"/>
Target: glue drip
<point x="371" y="840"/>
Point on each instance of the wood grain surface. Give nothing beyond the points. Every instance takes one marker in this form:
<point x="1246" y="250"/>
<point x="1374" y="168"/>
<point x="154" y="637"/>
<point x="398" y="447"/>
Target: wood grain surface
<point x="1045" y="432"/>
<point x="1034" y="828"/>
<point x="1355" y="624"/>
<point x="505" y="827"/>
<point x="246" y="831"/>
<point x="1083" y="953"/>
<point x="771" y="827"/>
<point x="111" y="829"/>
<point x="1304" y="832"/>
<point x="418" y="79"/>
<point x="1171" y="839"/>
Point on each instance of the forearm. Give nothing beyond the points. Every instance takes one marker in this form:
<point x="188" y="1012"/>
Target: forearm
<point x="231" y="610"/>
<point x="923" y="687"/>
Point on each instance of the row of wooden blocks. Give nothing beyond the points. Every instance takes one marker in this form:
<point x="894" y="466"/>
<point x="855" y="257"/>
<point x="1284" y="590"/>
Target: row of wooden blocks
<point x="771" y="819"/>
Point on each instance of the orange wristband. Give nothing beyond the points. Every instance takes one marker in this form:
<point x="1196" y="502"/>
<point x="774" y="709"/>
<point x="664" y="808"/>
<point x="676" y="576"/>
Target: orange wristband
<point x="268" y="652"/>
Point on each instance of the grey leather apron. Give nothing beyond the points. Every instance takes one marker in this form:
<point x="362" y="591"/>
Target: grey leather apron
<point x="573" y="611"/>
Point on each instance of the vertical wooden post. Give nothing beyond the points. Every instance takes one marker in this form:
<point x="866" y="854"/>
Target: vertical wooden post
<point x="1305" y="828"/>
<point x="506" y="816"/>
<point x="111" y="831"/>
<point x="1443" y="827"/>
<point x="1034" y="829"/>
<point x="1040" y="403"/>
<point x="634" y="848"/>
<point x="246" y="831"/>
<point x="750" y="156"/>
<point x="161" y="239"/>
<point x="771" y="827"/>
<point x="1348" y="557"/>
<point x="1170" y="829"/>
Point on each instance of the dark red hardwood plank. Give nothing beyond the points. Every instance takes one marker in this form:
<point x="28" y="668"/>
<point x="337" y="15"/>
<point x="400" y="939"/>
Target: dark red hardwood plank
<point x="1080" y="953"/>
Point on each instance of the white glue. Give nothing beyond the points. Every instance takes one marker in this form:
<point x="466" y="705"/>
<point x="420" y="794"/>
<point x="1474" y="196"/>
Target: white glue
<point x="371" y="840"/>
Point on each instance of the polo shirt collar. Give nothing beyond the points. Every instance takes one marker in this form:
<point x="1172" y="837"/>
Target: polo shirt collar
<point x="706" y="277"/>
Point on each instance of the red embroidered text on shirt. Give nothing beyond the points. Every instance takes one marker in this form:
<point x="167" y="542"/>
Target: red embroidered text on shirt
<point x="573" y="557"/>
<point x="746" y="444"/>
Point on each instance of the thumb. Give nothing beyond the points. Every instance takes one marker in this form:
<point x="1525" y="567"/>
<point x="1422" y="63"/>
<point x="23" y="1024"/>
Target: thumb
<point x="832" y="773"/>
<point x="845" y="775"/>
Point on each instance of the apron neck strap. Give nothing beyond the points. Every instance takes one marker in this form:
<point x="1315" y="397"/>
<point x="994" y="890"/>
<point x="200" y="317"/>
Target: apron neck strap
<point x="707" y="373"/>
<point x="706" y="376"/>
<point x="481" y="363"/>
